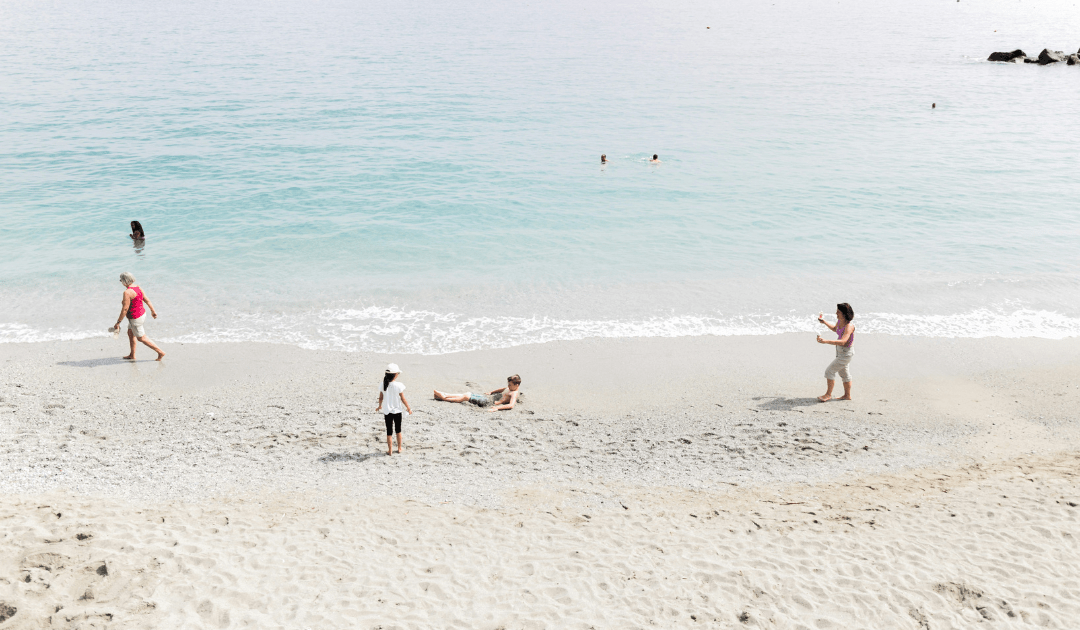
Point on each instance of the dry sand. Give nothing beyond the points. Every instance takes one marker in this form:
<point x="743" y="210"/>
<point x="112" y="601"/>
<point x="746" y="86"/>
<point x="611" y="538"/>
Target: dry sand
<point x="643" y="483"/>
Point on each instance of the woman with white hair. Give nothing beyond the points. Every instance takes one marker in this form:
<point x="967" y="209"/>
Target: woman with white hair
<point x="136" y="315"/>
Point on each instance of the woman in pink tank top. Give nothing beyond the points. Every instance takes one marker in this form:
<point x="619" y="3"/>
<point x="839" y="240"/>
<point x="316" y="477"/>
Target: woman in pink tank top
<point x="135" y="308"/>
<point x="135" y="312"/>
<point x="845" y="351"/>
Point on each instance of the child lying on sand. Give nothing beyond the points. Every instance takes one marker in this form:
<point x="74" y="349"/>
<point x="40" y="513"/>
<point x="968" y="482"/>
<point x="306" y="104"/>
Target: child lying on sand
<point x="503" y="398"/>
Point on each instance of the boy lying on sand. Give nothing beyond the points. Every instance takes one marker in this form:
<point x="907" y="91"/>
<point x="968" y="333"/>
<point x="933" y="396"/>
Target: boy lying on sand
<point x="503" y="398"/>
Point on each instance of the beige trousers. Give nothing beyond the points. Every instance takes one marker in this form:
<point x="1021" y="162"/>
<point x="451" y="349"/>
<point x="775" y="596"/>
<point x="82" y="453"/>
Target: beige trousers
<point x="840" y="365"/>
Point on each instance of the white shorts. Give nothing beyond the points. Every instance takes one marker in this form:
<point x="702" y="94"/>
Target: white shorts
<point x="136" y="326"/>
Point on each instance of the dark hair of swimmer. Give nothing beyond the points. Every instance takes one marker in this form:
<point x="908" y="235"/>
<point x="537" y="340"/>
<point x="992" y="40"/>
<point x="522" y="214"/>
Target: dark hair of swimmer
<point x="603" y="158"/>
<point x="136" y="230"/>
<point x="655" y="156"/>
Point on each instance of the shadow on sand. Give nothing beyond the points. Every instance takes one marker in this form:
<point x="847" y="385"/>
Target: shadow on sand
<point x="91" y="363"/>
<point x="348" y="457"/>
<point x="784" y="404"/>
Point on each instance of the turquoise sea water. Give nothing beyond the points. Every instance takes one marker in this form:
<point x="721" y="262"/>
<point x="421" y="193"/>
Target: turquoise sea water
<point x="406" y="177"/>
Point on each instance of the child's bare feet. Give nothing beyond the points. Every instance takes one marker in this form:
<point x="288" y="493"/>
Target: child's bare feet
<point x="130" y="357"/>
<point x="399" y="450"/>
<point x="160" y="356"/>
<point x="825" y="398"/>
<point x="844" y="398"/>
<point x="390" y="453"/>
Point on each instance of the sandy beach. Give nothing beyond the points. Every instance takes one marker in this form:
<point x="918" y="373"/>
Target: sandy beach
<point x="641" y="483"/>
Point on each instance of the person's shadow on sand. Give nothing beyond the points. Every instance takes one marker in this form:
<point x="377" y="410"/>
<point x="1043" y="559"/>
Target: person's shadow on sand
<point x="349" y="457"/>
<point x="92" y="363"/>
<point x="784" y="404"/>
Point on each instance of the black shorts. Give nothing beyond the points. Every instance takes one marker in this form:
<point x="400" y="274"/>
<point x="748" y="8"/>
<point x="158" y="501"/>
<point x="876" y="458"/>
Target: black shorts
<point x="393" y="423"/>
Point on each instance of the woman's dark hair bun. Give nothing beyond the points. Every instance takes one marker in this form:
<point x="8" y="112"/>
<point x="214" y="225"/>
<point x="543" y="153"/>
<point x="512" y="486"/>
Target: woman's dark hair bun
<point x="845" y="308"/>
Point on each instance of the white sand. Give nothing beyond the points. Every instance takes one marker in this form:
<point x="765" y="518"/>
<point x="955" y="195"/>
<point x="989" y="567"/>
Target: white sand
<point x="595" y="504"/>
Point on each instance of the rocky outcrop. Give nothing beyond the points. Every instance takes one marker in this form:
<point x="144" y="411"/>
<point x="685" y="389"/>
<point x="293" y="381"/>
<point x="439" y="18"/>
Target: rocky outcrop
<point x="1045" y="58"/>
<point x="1048" y="56"/>
<point x="1014" y="56"/>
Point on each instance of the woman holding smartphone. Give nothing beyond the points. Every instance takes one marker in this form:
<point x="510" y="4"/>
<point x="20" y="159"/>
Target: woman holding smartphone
<point x="845" y="332"/>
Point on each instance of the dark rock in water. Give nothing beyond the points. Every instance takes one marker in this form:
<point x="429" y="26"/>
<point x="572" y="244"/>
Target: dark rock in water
<point x="1074" y="59"/>
<point x="1006" y="56"/>
<point x="1030" y="60"/>
<point x="1048" y="56"/>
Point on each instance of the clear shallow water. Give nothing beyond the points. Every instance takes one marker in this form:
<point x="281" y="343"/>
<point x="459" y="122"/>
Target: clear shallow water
<point x="409" y="178"/>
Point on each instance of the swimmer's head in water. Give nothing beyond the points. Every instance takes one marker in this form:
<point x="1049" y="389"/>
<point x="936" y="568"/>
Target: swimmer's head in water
<point x="136" y="229"/>
<point x="127" y="279"/>
<point x="655" y="157"/>
<point x="514" y="380"/>
<point x="603" y="158"/>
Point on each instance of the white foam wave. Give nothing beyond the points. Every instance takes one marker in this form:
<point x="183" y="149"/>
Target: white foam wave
<point x="395" y="330"/>
<point x="975" y="324"/>
<point x="21" y="333"/>
<point x="391" y="330"/>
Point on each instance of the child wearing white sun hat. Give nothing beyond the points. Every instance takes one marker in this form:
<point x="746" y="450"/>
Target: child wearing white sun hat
<point x="392" y="405"/>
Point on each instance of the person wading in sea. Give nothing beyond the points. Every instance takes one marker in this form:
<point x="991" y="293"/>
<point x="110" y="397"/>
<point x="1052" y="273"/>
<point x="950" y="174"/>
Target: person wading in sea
<point x="137" y="232"/>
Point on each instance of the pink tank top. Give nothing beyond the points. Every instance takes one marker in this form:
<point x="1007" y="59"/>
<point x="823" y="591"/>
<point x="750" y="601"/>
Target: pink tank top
<point x="840" y="335"/>
<point x="135" y="309"/>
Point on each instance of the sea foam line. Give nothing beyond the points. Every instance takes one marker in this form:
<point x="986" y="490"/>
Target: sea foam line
<point x="392" y="330"/>
<point x="395" y="330"/>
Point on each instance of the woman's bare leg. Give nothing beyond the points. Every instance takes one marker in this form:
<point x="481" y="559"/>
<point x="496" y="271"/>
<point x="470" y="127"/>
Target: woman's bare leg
<point x="131" y="340"/>
<point x="389" y="445"/>
<point x="847" y="391"/>
<point x="399" y="442"/>
<point x="149" y="344"/>
<point x="828" y="391"/>
<point x="450" y="397"/>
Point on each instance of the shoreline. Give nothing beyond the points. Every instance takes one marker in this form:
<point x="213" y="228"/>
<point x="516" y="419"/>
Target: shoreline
<point x="429" y="333"/>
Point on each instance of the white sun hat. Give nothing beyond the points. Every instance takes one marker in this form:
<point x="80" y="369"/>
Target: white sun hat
<point x="393" y="369"/>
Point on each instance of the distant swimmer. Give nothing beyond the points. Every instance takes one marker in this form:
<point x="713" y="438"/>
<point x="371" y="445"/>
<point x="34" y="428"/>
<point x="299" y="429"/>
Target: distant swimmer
<point x="933" y="105"/>
<point x="137" y="233"/>
<point x="655" y="159"/>
<point x="603" y="159"/>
